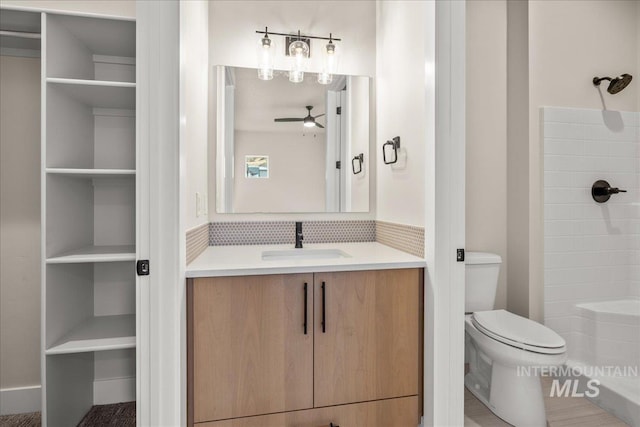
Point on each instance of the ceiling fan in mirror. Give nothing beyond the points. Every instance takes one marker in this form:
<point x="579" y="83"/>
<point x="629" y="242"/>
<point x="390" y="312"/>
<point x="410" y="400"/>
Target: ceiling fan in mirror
<point x="308" y="121"/>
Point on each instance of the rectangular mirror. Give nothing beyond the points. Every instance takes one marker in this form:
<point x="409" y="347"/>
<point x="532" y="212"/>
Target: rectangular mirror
<point x="291" y="147"/>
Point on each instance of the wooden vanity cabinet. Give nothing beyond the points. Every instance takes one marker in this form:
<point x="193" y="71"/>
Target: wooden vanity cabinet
<point x="252" y="364"/>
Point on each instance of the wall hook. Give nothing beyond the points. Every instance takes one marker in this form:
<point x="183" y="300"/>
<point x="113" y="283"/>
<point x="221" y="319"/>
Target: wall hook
<point x="356" y="163"/>
<point x="395" y="144"/>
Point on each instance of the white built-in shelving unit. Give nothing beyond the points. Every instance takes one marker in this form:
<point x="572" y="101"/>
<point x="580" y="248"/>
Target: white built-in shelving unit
<point x="88" y="214"/>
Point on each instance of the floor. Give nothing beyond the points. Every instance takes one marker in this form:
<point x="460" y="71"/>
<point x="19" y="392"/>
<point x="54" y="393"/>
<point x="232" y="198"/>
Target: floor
<point x="561" y="412"/>
<point x="117" y="415"/>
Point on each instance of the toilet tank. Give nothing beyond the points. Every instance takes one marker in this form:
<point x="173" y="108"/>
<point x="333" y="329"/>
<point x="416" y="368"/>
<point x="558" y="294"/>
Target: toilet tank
<point x="481" y="281"/>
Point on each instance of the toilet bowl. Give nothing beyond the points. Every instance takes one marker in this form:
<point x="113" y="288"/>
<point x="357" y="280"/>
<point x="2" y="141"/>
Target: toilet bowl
<point x="501" y="347"/>
<point x="497" y="358"/>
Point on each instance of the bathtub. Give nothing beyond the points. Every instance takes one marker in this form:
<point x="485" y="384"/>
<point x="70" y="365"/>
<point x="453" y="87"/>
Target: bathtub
<point x="610" y="338"/>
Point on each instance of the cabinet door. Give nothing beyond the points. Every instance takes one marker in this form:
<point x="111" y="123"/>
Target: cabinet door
<point x="367" y="327"/>
<point x="250" y="352"/>
<point x="401" y="412"/>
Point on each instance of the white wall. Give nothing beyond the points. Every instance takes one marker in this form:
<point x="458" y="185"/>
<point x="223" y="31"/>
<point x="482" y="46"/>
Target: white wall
<point x="125" y="8"/>
<point x="402" y="109"/>
<point x="570" y="42"/>
<point x="486" y="148"/>
<point x="233" y="40"/>
<point x="194" y="52"/>
<point x="296" y="185"/>
<point x="19" y="222"/>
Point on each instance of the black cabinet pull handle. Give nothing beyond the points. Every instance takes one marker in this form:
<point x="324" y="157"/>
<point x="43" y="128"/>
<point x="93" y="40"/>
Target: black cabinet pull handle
<point x="324" y="318"/>
<point x="305" y="308"/>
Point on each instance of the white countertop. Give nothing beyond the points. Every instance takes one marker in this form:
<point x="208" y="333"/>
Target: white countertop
<point x="247" y="260"/>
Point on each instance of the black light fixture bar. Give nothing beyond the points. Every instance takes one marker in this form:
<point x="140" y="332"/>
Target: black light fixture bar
<point x="302" y="36"/>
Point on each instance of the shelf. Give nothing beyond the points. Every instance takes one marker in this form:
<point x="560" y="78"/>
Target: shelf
<point x="16" y="43"/>
<point x="99" y="334"/>
<point x="92" y="173"/>
<point x="96" y="254"/>
<point x="98" y="93"/>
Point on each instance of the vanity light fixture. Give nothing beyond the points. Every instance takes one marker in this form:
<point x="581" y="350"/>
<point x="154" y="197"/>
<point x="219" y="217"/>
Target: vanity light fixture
<point x="298" y="47"/>
<point x="266" y="51"/>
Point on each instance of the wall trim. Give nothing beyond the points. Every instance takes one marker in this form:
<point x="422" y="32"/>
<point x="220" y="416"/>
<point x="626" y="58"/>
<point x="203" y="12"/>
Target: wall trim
<point x="20" y="400"/>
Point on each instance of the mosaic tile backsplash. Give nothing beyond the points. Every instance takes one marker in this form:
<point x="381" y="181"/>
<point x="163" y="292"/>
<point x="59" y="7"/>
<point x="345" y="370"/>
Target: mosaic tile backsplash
<point x="406" y="238"/>
<point x="283" y="232"/>
<point x="197" y="241"/>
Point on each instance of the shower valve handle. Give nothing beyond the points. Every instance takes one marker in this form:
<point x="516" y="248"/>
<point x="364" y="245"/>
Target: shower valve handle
<point x="604" y="191"/>
<point x="601" y="191"/>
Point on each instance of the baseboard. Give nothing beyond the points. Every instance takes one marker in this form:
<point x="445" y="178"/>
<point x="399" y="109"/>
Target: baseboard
<point x="114" y="391"/>
<point x="20" y="400"/>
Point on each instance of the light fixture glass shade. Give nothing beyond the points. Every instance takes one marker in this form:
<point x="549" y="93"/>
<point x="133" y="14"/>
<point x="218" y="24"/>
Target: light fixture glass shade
<point x="329" y="63"/>
<point x="296" y="76"/>
<point x="299" y="53"/>
<point x="325" y="78"/>
<point x="266" y="52"/>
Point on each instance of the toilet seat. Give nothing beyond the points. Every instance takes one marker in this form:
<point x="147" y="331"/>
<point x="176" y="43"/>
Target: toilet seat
<point x="517" y="331"/>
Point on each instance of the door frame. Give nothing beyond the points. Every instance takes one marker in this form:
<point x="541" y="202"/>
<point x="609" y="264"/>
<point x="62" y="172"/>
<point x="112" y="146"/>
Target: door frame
<point x="161" y="296"/>
<point x="445" y="222"/>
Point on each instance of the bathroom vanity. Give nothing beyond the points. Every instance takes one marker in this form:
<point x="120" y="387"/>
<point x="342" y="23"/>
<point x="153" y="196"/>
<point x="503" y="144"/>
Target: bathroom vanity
<point x="305" y="337"/>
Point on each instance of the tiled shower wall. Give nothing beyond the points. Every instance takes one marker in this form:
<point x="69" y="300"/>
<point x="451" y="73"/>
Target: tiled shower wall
<point x="591" y="250"/>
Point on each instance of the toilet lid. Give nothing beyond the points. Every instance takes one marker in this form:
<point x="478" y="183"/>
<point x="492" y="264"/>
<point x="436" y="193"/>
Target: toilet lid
<point x="518" y="331"/>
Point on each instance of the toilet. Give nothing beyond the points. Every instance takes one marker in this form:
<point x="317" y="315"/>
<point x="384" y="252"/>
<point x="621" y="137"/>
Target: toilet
<point x="499" y="346"/>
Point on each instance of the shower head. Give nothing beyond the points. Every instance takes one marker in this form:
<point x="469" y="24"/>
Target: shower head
<point x="616" y="84"/>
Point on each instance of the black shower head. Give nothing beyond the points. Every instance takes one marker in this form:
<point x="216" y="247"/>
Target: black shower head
<point x="615" y="84"/>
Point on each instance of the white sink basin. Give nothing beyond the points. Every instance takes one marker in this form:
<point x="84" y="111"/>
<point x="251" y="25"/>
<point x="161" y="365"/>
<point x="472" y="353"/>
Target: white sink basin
<point x="301" y="254"/>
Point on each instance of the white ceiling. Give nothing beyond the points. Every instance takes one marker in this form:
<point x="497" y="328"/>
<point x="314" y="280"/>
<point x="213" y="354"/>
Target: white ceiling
<point x="258" y="102"/>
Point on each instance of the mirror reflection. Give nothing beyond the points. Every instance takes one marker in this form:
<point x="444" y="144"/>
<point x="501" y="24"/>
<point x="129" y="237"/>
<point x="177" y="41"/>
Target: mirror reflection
<point x="291" y="147"/>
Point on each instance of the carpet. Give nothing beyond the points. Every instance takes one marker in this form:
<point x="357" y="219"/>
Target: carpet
<point x="116" y="415"/>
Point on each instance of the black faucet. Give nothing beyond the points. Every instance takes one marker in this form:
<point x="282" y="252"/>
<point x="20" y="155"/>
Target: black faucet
<point x="299" y="237"/>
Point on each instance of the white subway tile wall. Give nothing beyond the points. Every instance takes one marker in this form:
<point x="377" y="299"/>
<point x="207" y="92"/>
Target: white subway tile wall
<point x="591" y="250"/>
